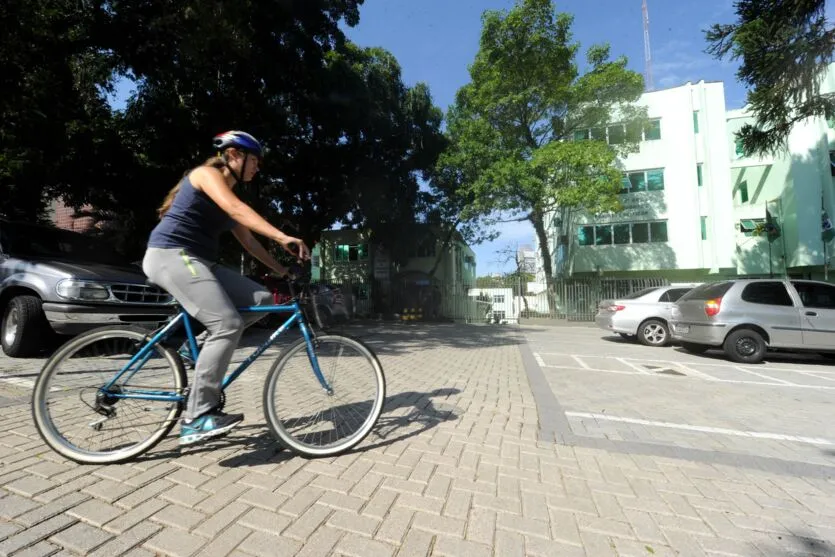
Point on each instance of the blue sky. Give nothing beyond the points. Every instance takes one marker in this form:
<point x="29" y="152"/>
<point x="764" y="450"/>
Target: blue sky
<point x="435" y="41"/>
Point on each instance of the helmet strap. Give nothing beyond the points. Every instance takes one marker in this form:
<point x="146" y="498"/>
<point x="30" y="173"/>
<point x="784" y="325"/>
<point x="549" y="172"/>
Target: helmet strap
<point x="231" y="170"/>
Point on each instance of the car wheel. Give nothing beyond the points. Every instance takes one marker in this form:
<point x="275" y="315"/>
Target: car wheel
<point x="745" y="346"/>
<point x="653" y="332"/>
<point x="694" y="348"/>
<point x="24" y="327"/>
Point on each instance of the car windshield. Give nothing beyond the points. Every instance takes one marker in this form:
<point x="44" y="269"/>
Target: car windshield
<point x="27" y="240"/>
<point x="707" y="291"/>
<point x="639" y="293"/>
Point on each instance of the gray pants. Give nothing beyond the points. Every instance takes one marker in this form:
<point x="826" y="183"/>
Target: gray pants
<point x="210" y="293"/>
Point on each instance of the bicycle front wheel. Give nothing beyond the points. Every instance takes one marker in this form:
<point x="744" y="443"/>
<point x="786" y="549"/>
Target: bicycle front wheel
<point x="84" y="421"/>
<point x="311" y="421"/>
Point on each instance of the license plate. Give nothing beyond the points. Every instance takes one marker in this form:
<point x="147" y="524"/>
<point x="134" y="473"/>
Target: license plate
<point x="682" y="329"/>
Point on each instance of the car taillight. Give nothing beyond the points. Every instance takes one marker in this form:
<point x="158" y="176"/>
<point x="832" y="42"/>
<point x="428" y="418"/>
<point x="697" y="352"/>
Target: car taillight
<point x="713" y="306"/>
<point x="613" y="308"/>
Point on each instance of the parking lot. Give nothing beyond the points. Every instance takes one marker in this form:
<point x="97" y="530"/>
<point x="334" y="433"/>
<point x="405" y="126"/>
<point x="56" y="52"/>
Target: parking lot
<point x="461" y="463"/>
<point x="616" y="389"/>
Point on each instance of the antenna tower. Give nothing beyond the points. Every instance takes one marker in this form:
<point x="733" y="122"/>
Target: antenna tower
<point x="647" y="54"/>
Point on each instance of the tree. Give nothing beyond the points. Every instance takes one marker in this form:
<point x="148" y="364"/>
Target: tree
<point x="785" y="47"/>
<point x="53" y="107"/>
<point x="348" y="140"/>
<point x="512" y="128"/>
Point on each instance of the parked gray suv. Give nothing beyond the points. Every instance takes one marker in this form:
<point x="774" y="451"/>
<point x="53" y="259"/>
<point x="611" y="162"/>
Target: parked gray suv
<point x="747" y="317"/>
<point x="54" y="280"/>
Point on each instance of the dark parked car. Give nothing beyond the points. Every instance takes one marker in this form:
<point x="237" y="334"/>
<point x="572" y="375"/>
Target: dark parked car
<point x="54" y="280"/>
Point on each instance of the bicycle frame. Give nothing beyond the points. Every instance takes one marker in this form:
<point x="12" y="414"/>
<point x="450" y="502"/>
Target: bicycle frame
<point x="144" y="354"/>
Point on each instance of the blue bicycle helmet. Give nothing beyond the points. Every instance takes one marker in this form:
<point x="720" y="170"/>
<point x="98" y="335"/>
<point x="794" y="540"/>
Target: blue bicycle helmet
<point x="239" y="140"/>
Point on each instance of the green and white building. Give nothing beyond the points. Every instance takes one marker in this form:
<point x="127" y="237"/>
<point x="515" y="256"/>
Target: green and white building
<point x="695" y="205"/>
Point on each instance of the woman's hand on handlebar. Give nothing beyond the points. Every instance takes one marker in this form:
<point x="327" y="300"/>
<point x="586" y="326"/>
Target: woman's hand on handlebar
<point x="295" y="247"/>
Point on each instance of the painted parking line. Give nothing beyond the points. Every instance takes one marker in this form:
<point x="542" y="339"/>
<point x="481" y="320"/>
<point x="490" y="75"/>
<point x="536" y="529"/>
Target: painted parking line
<point x="704" y="429"/>
<point x="637" y="368"/>
<point x="743" y="370"/>
<point x="677" y="368"/>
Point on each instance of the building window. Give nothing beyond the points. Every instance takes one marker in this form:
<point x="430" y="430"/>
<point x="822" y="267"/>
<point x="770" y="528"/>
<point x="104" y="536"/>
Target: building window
<point x="652" y="131"/>
<point x="655" y="180"/>
<point x="751" y="227"/>
<point x="603" y="235"/>
<point x="832" y="163"/>
<point x="615" y="134"/>
<point x="644" y="180"/>
<point x="351" y="252"/>
<point x="622" y="233"/>
<point x="585" y="235"/>
<point x="743" y="192"/>
<point x="739" y="151"/>
<point x="640" y="233"/>
<point x="704" y="228"/>
<point x="498" y="298"/>
<point x="695" y="121"/>
<point x="658" y="231"/>
<point x="699" y="174"/>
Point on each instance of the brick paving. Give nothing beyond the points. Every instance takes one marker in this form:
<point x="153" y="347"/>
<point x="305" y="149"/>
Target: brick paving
<point x="473" y="456"/>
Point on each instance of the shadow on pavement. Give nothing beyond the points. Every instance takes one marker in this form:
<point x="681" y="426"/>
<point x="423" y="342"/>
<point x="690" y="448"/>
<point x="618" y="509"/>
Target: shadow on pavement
<point x="261" y="447"/>
<point x="798" y="543"/>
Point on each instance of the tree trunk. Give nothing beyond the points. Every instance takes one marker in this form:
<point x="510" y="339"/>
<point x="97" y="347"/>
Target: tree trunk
<point x="537" y="218"/>
<point x="444" y="246"/>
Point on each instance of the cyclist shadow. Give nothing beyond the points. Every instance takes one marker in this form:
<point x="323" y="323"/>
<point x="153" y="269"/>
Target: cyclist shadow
<point x="393" y="426"/>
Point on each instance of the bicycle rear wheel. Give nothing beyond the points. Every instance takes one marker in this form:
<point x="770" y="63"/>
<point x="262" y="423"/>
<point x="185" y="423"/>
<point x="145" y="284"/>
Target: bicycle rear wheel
<point x="307" y="419"/>
<point x="83" y="422"/>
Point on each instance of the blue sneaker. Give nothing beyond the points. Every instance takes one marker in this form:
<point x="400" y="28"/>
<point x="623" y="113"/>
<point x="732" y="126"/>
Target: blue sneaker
<point x="207" y="426"/>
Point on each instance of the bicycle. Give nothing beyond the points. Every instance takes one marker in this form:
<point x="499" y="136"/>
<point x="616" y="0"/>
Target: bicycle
<point x="151" y="385"/>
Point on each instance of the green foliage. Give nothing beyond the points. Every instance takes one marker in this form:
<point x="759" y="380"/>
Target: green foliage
<point x="511" y="130"/>
<point x="785" y="47"/>
<point x="348" y="141"/>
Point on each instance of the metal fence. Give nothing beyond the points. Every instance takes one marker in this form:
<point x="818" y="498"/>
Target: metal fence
<point x="574" y="299"/>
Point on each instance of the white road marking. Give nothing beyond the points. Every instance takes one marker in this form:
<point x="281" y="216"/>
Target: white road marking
<point x="817" y="375"/>
<point x="703" y="376"/>
<point x="637" y="368"/>
<point x="539" y="359"/>
<point x="700" y="363"/>
<point x="581" y="362"/>
<point x="696" y="372"/>
<point x="705" y="429"/>
<point x="742" y="369"/>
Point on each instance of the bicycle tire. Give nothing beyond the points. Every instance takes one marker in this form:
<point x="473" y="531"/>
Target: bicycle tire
<point x="281" y="430"/>
<point x="109" y="336"/>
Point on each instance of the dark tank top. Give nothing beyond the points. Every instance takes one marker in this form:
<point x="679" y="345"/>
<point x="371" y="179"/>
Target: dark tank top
<point x="193" y="223"/>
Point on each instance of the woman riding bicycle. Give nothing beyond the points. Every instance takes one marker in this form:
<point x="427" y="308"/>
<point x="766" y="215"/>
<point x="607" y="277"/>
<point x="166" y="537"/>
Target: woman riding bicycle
<point x="182" y="258"/>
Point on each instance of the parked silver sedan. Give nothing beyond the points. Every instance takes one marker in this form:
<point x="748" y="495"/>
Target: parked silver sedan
<point x="644" y="314"/>
<point x="748" y="317"/>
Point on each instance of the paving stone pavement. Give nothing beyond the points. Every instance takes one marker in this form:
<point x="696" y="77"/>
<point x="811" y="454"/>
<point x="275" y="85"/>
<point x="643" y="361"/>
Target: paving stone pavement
<point x="471" y="457"/>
